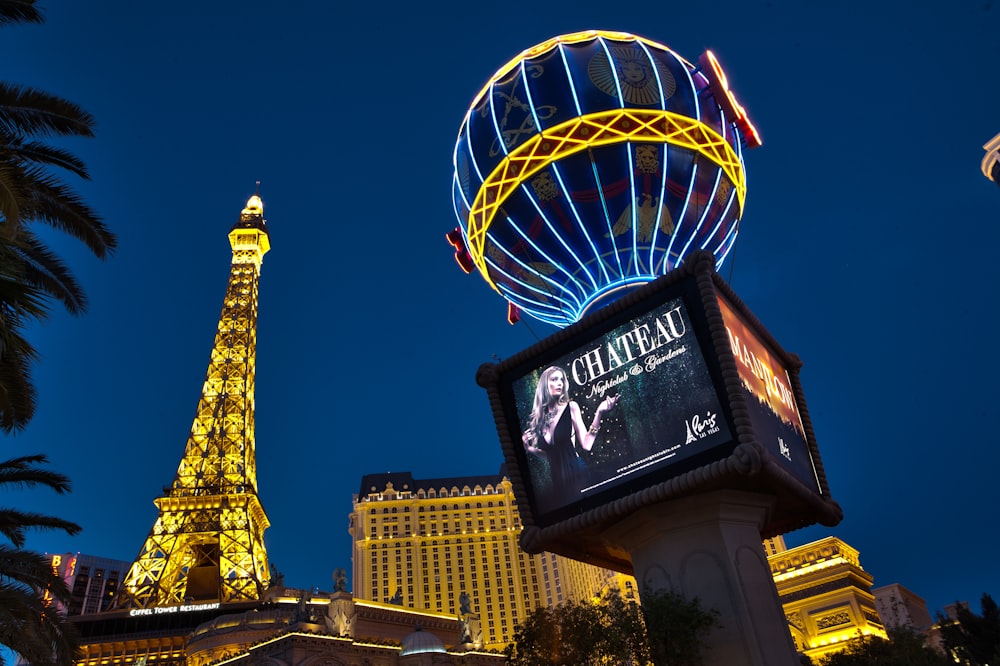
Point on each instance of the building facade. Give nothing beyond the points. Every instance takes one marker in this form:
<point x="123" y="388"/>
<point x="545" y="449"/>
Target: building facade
<point x="900" y="607"/>
<point x="296" y="627"/>
<point x="93" y="581"/>
<point x="826" y="596"/>
<point x="450" y="545"/>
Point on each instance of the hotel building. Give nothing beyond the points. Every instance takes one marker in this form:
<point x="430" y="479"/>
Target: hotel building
<point x="450" y="545"/>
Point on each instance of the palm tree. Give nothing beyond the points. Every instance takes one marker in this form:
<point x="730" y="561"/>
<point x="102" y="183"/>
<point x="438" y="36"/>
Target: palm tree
<point x="23" y="11"/>
<point x="31" y="191"/>
<point x="30" y="622"/>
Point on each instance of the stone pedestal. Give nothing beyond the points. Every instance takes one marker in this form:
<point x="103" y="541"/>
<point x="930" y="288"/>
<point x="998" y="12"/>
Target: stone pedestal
<point x="709" y="546"/>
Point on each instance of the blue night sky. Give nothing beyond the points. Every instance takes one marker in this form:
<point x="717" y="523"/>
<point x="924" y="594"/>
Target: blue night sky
<point x="864" y="249"/>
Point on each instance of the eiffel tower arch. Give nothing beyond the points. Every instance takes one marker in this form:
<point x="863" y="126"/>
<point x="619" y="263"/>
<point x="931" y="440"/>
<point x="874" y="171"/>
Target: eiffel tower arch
<point x="207" y="544"/>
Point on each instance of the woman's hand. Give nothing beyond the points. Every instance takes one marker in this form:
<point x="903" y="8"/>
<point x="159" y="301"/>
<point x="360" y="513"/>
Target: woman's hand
<point x="529" y="439"/>
<point x="608" y="404"/>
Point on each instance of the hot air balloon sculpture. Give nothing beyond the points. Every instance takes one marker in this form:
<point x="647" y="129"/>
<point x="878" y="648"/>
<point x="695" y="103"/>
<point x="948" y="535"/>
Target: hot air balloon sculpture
<point x="593" y="163"/>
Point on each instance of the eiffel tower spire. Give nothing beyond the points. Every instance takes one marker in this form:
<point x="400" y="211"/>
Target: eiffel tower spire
<point x="207" y="545"/>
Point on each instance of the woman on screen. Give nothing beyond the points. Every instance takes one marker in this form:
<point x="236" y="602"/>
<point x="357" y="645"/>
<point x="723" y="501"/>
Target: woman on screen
<point x="556" y="427"/>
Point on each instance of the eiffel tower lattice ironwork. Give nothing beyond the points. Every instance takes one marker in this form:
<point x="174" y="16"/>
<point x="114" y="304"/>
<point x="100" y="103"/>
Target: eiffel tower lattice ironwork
<point x="207" y="545"/>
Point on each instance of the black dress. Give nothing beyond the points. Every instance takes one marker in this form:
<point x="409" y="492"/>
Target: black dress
<point x="561" y="455"/>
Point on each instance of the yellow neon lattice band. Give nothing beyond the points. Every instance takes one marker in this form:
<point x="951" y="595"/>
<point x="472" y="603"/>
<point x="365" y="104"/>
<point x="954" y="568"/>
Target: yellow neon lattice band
<point x="595" y="129"/>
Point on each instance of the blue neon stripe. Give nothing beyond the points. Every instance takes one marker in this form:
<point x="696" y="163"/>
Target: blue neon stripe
<point x="459" y="196"/>
<point x="531" y="102"/>
<point x="496" y="125"/>
<point x="461" y="193"/>
<point x="607" y="217"/>
<point x="535" y="307"/>
<point x="728" y="242"/>
<point x="694" y="90"/>
<point x="614" y="72"/>
<point x="614" y="286"/>
<point x="663" y="169"/>
<point x="579" y="221"/>
<point x="722" y="217"/>
<point x="682" y="216"/>
<point x="558" y="236"/>
<point x="704" y="213"/>
<point x="471" y="154"/>
<point x="544" y="278"/>
<point x="632" y="206"/>
<point x="566" y="305"/>
<point x="660" y="208"/>
<point x="580" y="287"/>
<point x="569" y="77"/>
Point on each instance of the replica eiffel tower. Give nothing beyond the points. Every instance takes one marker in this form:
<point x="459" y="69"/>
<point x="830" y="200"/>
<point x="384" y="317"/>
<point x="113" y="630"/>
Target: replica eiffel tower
<point x="207" y="544"/>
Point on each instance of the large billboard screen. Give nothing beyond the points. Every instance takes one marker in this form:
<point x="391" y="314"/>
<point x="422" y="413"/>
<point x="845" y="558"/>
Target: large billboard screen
<point x="773" y="410"/>
<point x="633" y="401"/>
<point x="673" y="391"/>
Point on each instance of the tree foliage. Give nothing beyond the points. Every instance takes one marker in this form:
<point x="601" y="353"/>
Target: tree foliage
<point x="33" y="192"/>
<point x="30" y="622"/>
<point x="972" y="639"/>
<point x="904" y="648"/>
<point x="614" y="632"/>
<point x="676" y="627"/>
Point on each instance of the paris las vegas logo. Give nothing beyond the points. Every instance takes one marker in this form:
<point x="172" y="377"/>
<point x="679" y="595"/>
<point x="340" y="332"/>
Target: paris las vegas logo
<point x="700" y="427"/>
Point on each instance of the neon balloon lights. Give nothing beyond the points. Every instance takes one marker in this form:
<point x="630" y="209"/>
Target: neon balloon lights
<point x="594" y="163"/>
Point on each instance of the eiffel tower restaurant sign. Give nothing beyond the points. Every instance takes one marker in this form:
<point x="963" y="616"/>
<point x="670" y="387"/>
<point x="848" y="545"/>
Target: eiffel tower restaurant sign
<point x="166" y="610"/>
<point x="673" y="390"/>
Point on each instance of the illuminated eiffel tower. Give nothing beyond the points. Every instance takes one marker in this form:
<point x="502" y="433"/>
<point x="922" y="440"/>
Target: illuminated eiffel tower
<point x="207" y="544"/>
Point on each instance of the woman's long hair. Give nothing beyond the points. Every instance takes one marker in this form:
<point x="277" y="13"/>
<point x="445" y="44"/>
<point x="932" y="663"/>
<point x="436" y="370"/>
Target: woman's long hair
<point x="543" y="398"/>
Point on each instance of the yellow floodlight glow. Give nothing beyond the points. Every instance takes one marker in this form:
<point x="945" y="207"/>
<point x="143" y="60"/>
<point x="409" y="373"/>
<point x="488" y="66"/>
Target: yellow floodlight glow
<point x="810" y="568"/>
<point x="588" y="131"/>
<point x="254" y="206"/>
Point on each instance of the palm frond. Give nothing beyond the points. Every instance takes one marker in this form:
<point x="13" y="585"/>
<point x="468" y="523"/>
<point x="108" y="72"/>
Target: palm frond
<point x="30" y="570"/>
<point x="19" y="11"/>
<point x="24" y="472"/>
<point x="18" y="395"/>
<point x="19" y="304"/>
<point x="19" y="301"/>
<point x="35" y="629"/>
<point x="53" y="203"/>
<point x="28" y="111"/>
<point x="44" y="271"/>
<point x="10" y="195"/>
<point x="14" y="524"/>
<point x="40" y="153"/>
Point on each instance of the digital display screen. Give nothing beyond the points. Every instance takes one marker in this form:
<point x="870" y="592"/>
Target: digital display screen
<point x="676" y="390"/>
<point x="774" y="413"/>
<point x="633" y="402"/>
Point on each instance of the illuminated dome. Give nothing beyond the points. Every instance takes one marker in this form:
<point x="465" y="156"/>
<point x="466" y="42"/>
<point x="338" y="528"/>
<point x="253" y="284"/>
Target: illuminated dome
<point x="420" y="642"/>
<point x="593" y="163"/>
<point x="254" y="206"/>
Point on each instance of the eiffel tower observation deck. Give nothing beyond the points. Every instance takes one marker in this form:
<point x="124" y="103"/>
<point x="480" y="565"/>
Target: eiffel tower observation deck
<point x="207" y="544"/>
